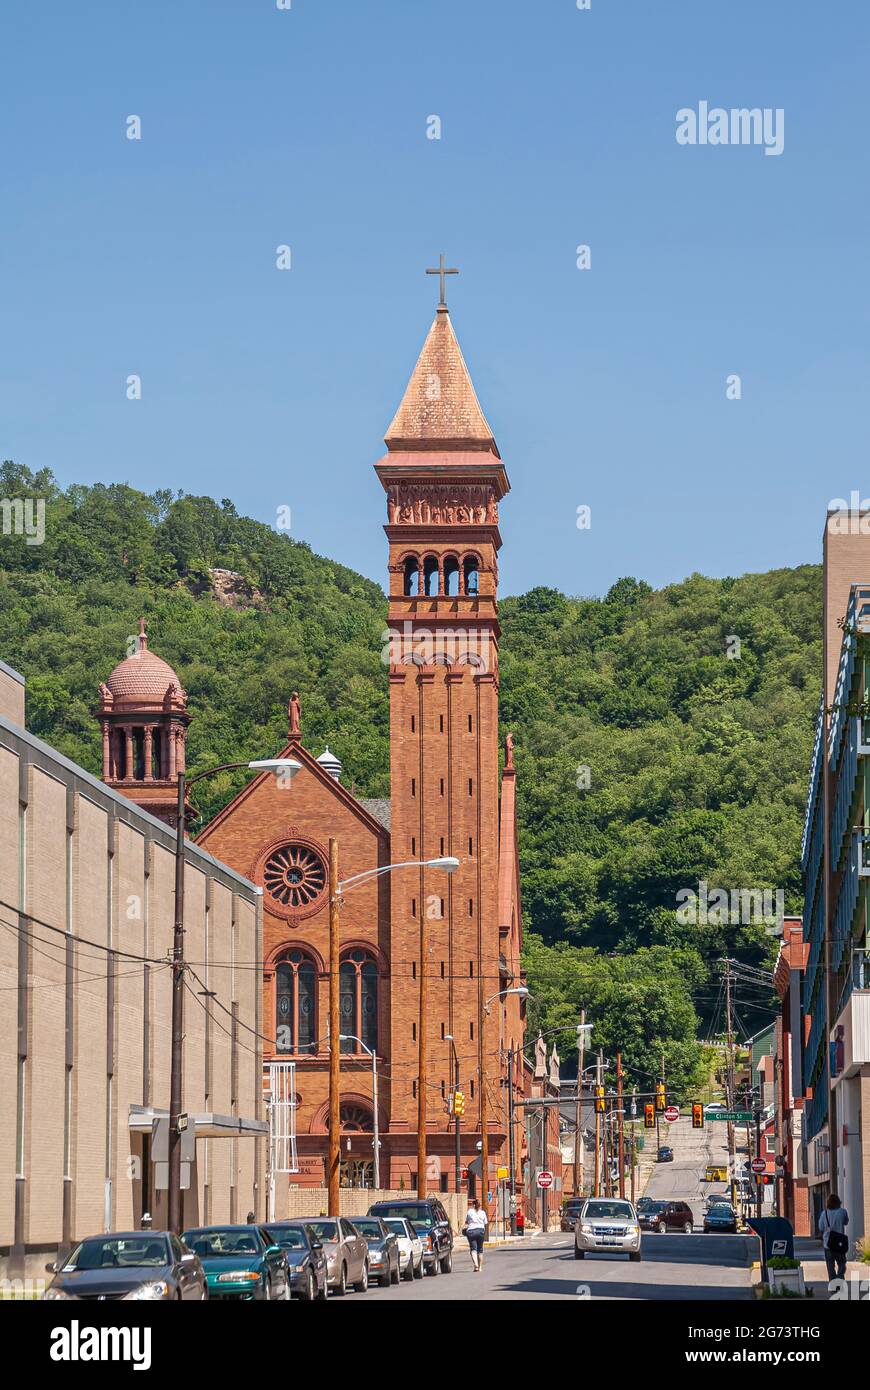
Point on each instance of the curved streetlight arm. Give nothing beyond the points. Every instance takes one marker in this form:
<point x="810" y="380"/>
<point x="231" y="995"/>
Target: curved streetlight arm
<point x="388" y="868"/>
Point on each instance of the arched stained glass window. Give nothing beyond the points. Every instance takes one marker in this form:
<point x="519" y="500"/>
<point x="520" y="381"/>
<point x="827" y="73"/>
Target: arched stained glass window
<point x="296" y="1003"/>
<point x="359" y="1001"/>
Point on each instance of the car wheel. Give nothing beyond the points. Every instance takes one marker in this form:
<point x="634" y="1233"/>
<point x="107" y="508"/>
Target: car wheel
<point x="341" y="1286"/>
<point x="267" y="1290"/>
<point x="418" y="1269"/>
<point x="395" y="1274"/>
<point x="688" y="1228"/>
<point x="434" y="1269"/>
<point x="662" y="1228"/>
<point x="363" y="1282"/>
<point x="634" y="1257"/>
<point x="578" y="1253"/>
<point x="310" y="1288"/>
<point x="408" y="1271"/>
<point x="322" y="1294"/>
<point x="447" y="1263"/>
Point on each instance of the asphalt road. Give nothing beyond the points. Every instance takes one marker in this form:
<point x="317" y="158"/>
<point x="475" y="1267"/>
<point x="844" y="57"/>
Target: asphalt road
<point x="673" y="1267"/>
<point x="693" y="1149"/>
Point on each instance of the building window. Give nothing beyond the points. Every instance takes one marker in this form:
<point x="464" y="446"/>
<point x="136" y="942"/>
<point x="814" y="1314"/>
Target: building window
<point x="411" y="581"/>
<point x="294" y="876"/>
<point x="295" y="1003"/>
<point x="451" y="575"/>
<point x="431" y="577"/>
<point x="470" y="567"/>
<point x="358" y="975"/>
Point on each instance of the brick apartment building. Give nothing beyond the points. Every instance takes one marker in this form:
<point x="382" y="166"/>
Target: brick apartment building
<point x="792" y="1029"/>
<point x="87" y="909"/>
<point x="835" y="993"/>
<point x="444" y="479"/>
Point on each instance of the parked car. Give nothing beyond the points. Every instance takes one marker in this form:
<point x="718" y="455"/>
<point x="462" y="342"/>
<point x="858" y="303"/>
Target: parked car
<point x="716" y="1172"/>
<point x="240" y="1262"/>
<point x="665" y="1154"/>
<point x="306" y="1261"/>
<point x="607" y="1224"/>
<point x="721" y="1218"/>
<point x="347" y="1254"/>
<point x="384" y="1263"/>
<point x="570" y="1211"/>
<point x="676" y="1216"/>
<point x="714" y="1105"/>
<point x="410" y="1246"/>
<point x="714" y="1198"/>
<point x="644" y="1204"/>
<point x="648" y="1217"/>
<point x="128" y="1265"/>
<point x="431" y="1221"/>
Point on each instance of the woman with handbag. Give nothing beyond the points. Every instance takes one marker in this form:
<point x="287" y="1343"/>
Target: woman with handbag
<point x="832" y="1228"/>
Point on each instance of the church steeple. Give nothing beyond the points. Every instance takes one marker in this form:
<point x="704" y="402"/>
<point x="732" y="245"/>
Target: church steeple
<point x="440" y="409"/>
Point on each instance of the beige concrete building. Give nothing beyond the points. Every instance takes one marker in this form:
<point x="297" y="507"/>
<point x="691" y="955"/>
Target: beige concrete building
<point x="86" y="918"/>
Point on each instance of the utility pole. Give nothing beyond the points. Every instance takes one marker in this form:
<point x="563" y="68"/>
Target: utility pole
<point x="729" y="1080"/>
<point x="598" y="1072"/>
<point x="759" y="1187"/>
<point x="578" y="1107"/>
<point x="334" y="1159"/>
<point x="512" y="1188"/>
<point x="176" y="1197"/>
<point x="621" y="1149"/>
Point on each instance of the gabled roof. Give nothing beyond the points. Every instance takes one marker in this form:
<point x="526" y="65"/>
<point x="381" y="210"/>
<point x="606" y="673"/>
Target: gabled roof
<point x="295" y="750"/>
<point x="440" y="409"/>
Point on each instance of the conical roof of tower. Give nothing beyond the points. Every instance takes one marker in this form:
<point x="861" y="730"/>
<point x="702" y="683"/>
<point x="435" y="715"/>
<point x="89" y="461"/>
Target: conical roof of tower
<point x="440" y="409"/>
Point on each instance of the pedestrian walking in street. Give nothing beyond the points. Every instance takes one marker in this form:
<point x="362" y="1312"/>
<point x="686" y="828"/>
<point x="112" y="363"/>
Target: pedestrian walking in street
<point x="476" y="1222"/>
<point x="832" y="1228"/>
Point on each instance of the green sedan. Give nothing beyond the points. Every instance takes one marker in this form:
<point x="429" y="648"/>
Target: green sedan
<point x="240" y="1262"/>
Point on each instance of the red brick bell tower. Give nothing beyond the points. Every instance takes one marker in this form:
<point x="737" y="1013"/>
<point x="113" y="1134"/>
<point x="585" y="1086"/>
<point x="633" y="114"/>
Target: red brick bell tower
<point x="444" y="479"/>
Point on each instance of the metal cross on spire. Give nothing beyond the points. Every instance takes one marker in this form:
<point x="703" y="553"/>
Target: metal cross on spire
<point x="441" y="270"/>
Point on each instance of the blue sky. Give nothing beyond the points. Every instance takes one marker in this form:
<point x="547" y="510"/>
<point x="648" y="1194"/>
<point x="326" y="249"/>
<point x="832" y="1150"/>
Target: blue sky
<point x="307" y="127"/>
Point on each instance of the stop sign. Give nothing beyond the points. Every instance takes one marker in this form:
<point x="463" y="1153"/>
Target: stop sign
<point x="545" y="1178"/>
<point x="672" y="1113"/>
<point x="759" y="1165"/>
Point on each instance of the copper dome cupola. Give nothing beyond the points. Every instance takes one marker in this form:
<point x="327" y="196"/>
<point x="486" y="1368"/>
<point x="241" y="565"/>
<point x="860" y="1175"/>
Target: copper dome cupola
<point x="144" y="718"/>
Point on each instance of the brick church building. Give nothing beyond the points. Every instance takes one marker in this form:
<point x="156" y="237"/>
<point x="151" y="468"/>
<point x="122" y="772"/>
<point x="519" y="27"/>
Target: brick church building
<point x="414" y="933"/>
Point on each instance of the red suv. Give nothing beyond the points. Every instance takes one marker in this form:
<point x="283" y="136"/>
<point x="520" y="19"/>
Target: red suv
<point x="674" y="1216"/>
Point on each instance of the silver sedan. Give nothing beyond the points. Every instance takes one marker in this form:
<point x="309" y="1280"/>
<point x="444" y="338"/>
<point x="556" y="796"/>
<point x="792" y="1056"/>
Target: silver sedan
<point x="347" y="1253"/>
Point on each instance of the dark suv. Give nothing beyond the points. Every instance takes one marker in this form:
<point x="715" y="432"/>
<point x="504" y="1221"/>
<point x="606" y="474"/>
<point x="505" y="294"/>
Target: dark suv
<point x="674" y="1216"/>
<point x="432" y="1225"/>
<point x="570" y="1211"/>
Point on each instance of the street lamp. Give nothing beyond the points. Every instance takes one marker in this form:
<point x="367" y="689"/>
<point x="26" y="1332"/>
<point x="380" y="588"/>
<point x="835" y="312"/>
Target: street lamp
<point x="280" y="766"/>
<point x="376" y="1142"/>
<point x="336" y="890"/>
<point x="457" y="1123"/>
<point x="521" y="992"/>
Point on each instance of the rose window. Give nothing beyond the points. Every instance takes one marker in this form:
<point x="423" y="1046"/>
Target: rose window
<point x="295" y="876"/>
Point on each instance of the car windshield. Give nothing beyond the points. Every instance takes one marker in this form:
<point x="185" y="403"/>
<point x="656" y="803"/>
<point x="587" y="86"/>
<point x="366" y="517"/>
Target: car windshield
<point x="369" y="1226"/>
<point x="323" y="1230"/>
<point x="395" y="1223"/>
<point x="126" y="1253"/>
<point x="596" y="1211"/>
<point x="288" y="1237"/>
<point x="420" y="1216"/>
<point x="721" y="1210"/>
<point x="217" y="1242"/>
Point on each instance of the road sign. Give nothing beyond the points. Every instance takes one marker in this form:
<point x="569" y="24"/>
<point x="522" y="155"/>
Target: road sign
<point x="502" y="1173"/>
<point x="737" y="1117"/>
<point x="759" y="1165"/>
<point x="544" y="1178"/>
<point x="672" y="1113"/>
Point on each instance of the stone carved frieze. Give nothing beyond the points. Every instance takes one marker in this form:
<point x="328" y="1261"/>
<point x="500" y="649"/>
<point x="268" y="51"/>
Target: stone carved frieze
<point x="445" y="504"/>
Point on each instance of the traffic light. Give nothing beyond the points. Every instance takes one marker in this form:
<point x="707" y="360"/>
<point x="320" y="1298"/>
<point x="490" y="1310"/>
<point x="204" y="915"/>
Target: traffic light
<point x="458" y="1103"/>
<point x="599" y="1099"/>
<point x="697" y="1115"/>
<point x="660" y="1096"/>
<point x="649" y="1115"/>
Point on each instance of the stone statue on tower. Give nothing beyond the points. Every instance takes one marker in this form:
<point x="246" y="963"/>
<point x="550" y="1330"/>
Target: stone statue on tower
<point x="294" y="715"/>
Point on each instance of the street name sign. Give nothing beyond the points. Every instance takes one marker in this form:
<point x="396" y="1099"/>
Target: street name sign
<point x="737" y="1117"/>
